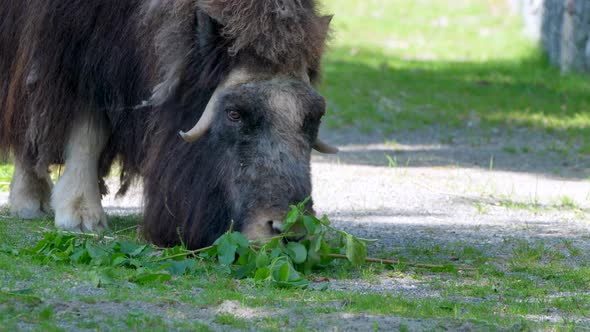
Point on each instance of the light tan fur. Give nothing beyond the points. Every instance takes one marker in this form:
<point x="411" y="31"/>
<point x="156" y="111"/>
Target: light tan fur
<point x="29" y="193"/>
<point x="269" y="224"/>
<point x="76" y="197"/>
<point x="286" y="115"/>
<point x="287" y="108"/>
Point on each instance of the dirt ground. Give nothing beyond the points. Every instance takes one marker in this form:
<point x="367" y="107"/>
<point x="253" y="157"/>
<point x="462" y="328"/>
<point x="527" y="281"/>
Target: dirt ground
<point x="467" y="191"/>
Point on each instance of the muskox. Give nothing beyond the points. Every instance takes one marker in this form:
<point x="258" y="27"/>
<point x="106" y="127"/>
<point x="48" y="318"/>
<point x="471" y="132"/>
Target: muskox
<point x="88" y="84"/>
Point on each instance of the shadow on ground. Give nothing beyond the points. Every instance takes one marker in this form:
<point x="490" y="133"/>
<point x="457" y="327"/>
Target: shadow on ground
<point x="496" y="234"/>
<point x="513" y="115"/>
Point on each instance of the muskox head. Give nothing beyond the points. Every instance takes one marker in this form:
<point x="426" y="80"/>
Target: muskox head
<point x="247" y="158"/>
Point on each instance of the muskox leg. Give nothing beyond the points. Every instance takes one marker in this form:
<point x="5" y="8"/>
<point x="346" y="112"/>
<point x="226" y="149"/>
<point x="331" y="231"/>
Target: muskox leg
<point x="29" y="193"/>
<point x="76" y="198"/>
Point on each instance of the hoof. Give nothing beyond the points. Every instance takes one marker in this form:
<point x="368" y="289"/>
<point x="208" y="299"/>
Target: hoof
<point x="28" y="213"/>
<point x="81" y="219"/>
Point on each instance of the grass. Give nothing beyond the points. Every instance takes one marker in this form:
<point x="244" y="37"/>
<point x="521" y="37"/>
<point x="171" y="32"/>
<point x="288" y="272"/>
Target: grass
<point x="511" y="284"/>
<point x="6" y="171"/>
<point x="233" y="321"/>
<point x="562" y="203"/>
<point x="413" y="64"/>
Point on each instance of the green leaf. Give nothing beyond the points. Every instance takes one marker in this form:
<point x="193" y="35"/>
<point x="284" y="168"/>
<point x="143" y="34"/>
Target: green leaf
<point x="118" y="259"/>
<point x="97" y="255"/>
<point x="291" y="219"/>
<point x="301" y="205"/>
<point x="325" y="221"/>
<point x="313" y="259"/>
<point x="287" y="277"/>
<point x="312" y="225"/>
<point x="245" y="271"/>
<point x="102" y="277"/>
<point x="181" y="267"/>
<point x="356" y="250"/>
<point x="128" y="248"/>
<point x="134" y="263"/>
<point x="80" y="257"/>
<point x="240" y="240"/>
<point x="262" y="259"/>
<point x="275" y="253"/>
<point x="137" y="252"/>
<point x="226" y="250"/>
<point x="325" y="258"/>
<point x="93" y="251"/>
<point x="262" y="274"/>
<point x="282" y="272"/>
<point x="297" y="252"/>
<point x="209" y="253"/>
<point x="178" y="253"/>
<point x="316" y="243"/>
<point x="246" y="256"/>
<point x="272" y="244"/>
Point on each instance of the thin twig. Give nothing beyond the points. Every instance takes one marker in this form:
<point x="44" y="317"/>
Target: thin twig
<point x="184" y="254"/>
<point x="80" y="234"/>
<point x="125" y="229"/>
<point x="384" y="261"/>
<point x="395" y="262"/>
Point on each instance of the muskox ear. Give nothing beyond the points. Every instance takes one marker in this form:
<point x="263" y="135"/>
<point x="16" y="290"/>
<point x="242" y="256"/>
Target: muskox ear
<point x="206" y="30"/>
<point x="326" y="20"/>
<point x="213" y="8"/>
<point x="325" y="24"/>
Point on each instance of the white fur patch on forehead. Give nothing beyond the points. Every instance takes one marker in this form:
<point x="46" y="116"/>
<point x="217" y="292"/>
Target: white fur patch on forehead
<point x="242" y="75"/>
<point x="285" y="108"/>
<point x="238" y="76"/>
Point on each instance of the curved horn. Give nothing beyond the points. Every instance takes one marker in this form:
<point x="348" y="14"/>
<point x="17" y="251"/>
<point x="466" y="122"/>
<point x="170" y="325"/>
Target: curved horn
<point x="204" y="122"/>
<point x="237" y="76"/>
<point x="322" y="147"/>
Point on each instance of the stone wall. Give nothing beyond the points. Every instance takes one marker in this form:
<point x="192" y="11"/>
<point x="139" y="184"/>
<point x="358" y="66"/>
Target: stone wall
<point x="562" y="27"/>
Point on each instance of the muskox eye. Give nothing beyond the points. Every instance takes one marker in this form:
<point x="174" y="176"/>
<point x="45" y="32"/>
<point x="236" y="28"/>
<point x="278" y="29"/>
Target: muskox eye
<point x="234" y="115"/>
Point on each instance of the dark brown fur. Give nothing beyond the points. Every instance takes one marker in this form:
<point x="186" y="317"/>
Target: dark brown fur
<point x="60" y="57"/>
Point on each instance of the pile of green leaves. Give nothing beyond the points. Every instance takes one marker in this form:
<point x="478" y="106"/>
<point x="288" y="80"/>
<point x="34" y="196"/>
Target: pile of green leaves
<point x="149" y="264"/>
<point x="285" y="263"/>
<point x="276" y="261"/>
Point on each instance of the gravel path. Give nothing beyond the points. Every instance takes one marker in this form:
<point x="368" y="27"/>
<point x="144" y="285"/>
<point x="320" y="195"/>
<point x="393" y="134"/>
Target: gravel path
<point x="419" y="191"/>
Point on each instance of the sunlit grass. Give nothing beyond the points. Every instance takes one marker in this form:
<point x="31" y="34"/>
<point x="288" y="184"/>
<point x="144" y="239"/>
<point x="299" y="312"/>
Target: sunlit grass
<point x="6" y="171"/>
<point x="410" y="64"/>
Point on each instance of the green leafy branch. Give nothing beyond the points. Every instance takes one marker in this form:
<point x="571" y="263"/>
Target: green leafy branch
<point x="279" y="261"/>
<point x="148" y="263"/>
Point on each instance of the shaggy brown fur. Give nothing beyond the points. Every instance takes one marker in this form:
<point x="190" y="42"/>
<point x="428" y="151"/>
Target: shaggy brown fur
<point x="284" y="32"/>
<point x="79" y="62"/>
<point x="10" y="34"/>
<point x="61" y="57"/>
